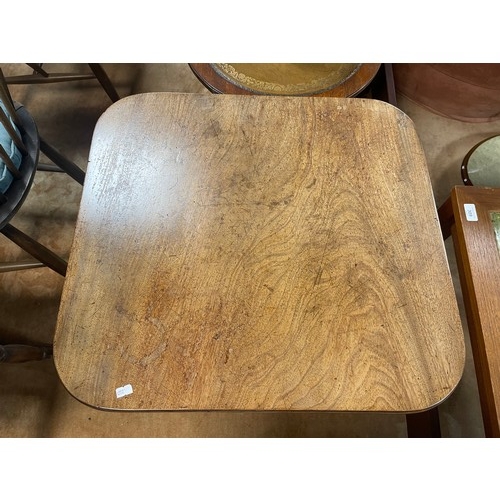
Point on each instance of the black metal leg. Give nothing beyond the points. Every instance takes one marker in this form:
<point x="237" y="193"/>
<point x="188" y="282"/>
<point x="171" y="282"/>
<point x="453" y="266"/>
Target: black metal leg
<point x="104" y="80"/>
<point x="61" y="161"/>
<point x="37" y="250"/>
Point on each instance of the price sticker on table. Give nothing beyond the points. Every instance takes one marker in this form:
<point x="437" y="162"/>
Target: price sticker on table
<point x="470" y="212"/>
<point x="126" y="390"/>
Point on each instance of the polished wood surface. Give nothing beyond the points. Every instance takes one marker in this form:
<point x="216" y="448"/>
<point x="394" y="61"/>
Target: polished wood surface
<point x="478" y="258"/>
<point x="307" y="79"/>
<point x="258" y="253"/>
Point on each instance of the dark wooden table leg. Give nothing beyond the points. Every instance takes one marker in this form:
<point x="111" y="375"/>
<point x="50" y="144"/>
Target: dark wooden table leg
<point x="424" y="424"/>
<point x="17" y="353"/>
<point x="446" y="218"/>
<point x="382" y="87"/>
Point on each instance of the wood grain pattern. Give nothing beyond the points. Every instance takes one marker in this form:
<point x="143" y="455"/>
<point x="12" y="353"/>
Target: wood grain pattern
<point x="478" y="261"/>
<point x="258" y="253"/>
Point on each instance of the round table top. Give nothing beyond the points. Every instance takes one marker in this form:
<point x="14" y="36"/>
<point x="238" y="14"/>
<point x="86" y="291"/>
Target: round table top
<point x="481" y="166"/>
<point x="291" y="79"/>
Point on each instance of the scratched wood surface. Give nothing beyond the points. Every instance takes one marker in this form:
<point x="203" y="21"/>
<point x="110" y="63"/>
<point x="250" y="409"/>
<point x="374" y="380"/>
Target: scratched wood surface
<point x="258" y="253"/>
<point x="477" y="246"/>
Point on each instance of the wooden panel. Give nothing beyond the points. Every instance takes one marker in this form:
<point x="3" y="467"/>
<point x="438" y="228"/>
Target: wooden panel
<point x="258" y="253"/>
<point x="478" y="257"/>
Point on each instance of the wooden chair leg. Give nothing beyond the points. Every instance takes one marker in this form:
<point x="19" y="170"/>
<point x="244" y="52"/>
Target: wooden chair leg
<point x="37" y="250"/>
<point x="61" y="161"/>
<point x="104" y="80"/>
<point x="7" y="267"/>
<point x="39" y="75"/>
<point x="47" y="167"/>
<point x="424" y="425"/>
<point x="37" y="68"/>
<point x="16" y="353"/>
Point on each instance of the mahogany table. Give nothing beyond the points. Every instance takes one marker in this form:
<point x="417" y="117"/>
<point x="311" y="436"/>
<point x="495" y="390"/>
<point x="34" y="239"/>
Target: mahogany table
<point x="258" y="253"/>
<point x="472" y="216"/>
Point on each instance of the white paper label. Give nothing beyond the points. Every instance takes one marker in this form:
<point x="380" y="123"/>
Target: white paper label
<point x="470" y="212"/>
<point x="126" y="390"/>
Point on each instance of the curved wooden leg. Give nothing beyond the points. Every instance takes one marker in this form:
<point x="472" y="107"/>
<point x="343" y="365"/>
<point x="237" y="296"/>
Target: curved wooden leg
<point x="17" y="353"/>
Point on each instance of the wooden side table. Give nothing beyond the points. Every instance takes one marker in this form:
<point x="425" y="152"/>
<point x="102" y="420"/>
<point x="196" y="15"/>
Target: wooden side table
<point x="472" y="216"/>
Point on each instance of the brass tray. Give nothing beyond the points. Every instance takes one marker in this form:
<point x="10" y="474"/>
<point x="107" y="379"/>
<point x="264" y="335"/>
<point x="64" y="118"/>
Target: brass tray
<point x="286" y="79"/>
<point x="290" y="79"/>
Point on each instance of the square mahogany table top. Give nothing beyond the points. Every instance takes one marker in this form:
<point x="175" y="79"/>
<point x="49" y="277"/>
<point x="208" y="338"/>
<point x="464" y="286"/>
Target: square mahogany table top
<point x="257" y="253"/>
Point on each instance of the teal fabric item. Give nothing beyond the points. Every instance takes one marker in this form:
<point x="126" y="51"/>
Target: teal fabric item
<point x="13" y="152"/>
